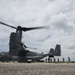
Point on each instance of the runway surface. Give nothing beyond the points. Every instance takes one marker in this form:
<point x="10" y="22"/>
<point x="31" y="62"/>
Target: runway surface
<point x="37" y="68"/>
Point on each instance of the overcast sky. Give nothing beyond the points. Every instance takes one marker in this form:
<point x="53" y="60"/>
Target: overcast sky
<point x="59" y="15"/>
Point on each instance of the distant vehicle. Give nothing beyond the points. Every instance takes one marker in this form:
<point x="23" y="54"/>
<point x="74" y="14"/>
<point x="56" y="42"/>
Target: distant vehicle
<point x="18" y="51"/>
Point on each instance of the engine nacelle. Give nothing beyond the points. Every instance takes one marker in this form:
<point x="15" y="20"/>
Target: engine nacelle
<point x="12" y="44"/>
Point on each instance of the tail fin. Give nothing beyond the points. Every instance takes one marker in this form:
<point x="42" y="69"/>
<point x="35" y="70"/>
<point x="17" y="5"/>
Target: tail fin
<point x="57" y="51"/>
<point x="51" y="52"/>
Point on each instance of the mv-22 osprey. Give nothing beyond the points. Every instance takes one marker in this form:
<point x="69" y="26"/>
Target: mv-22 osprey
<point x="17" y="50"/>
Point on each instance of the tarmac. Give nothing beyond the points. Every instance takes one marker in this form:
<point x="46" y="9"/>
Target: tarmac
<point x="37" y="68"/>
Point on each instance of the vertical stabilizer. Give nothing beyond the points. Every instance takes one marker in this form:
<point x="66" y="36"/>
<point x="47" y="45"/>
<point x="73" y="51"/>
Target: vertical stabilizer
<point x="57" y="51"/>
<point x="51" y="52"/>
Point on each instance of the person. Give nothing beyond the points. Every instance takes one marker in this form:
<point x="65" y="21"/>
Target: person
<point x="68" y="59"/>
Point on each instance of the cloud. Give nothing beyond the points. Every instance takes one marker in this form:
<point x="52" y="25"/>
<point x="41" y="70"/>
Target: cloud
<point x="61" y="22"/>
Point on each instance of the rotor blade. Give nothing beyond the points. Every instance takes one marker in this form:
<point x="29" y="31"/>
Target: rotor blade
<point x="31" y="47"/>
<point x="8" y="25"/>
<point x="28" y="47"/>
<point x="33" y="28"/>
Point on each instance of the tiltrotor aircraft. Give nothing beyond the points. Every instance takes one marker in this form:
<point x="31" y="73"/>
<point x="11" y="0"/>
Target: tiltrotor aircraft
<point x="17" y="50"/>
